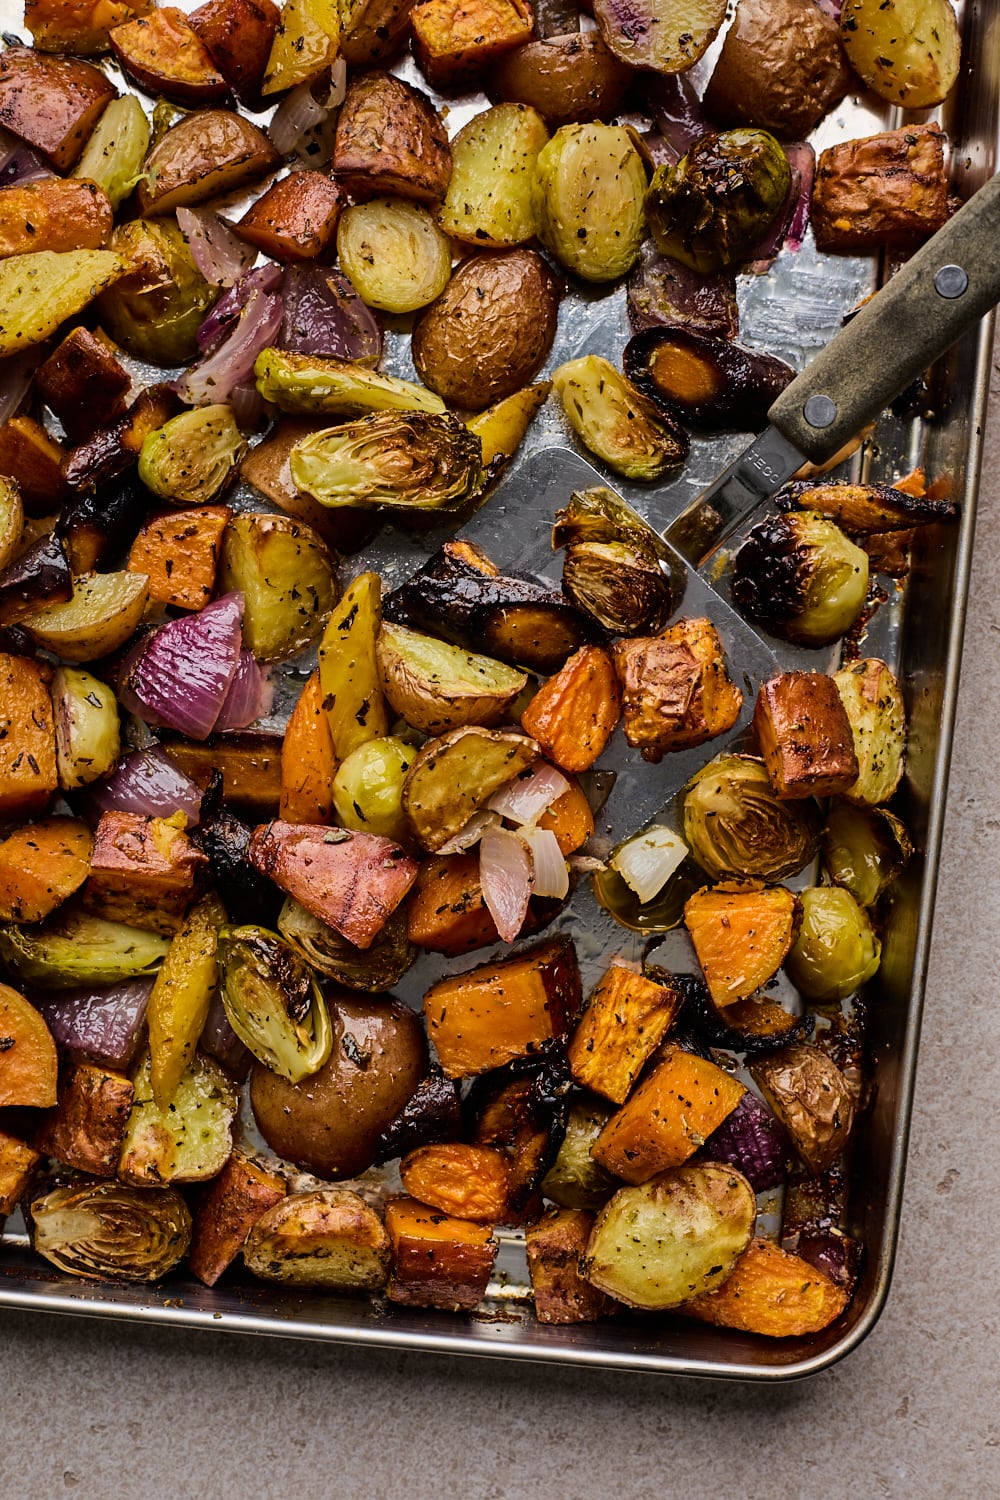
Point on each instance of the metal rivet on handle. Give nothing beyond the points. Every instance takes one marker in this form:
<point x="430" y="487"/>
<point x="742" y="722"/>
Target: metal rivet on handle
<point x="820" y="411"/>
<point x="950" y="281"/>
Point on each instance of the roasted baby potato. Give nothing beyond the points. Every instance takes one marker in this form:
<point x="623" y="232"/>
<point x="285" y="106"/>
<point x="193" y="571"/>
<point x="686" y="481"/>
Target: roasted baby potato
<point x="88" y="736"/>
<point x="616" y="422"/>
<point x="191" y="1140"/>
<point x="875" y="710"/>
<point x="569" y="79"/>
<point x="456" y="774"/>
<point x="456" y="40"/>
<point x="781" y="67"/>
<point x="286" y="576"/>
<point x="436" y="686"/>
<point x="489" y="196"/>
<point x="52" y="103"/>
<point x="162" y="300"/>
<point x="239" y="35"/>
<point x="328" y="1238"/>
<point x="103" y="612"/>
<point x="204" y="155"/>
<point x="811" y="1097"/>
<point x="390" y="139"/>
<point x="668" y="36"/>
<point x="372" y="30"/>
<point x="664" y="1242"/>
<point x="907" y="52"/>
<point x="166" y="57"/>
<point x="40" y="290"/>
<point x="394" y="254"/>
<point x="588" y="200"/>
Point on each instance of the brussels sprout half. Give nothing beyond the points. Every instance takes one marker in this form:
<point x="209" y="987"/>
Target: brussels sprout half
<point x="374" y="970"/>
<point x="156" y="310"/>
<point x="99" y="1229"/>
<point x="193" y="456"/>
<point x="836" y="950"/>
<point x="273" y="1002"/>
<point x="801" y="577"/>
<point x="613" y="564"/>
<point x="737" y="828"/>
<point x="409" y="460"/>
<point x="864" y="849"/>
<point x="76" y="948"/>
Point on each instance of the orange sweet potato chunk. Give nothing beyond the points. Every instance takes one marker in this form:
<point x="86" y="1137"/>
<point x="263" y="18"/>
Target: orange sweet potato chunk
<point x="453" y="40"/>
<point x="41" y="865"/>
<point x="27" y="738"/>
<point x="34" y="460"/>
<point x="574" y="713"/>
<point x="53" y="103"/>
<point x="624" y="1023"/>
<point x="53" y="214"/>
<point x="308" y="764"/>
<point x="437" y="1261"/>
<point x="469" y="1182"/>
<point x="28" y="1062"/>
<point x="165" y="55"/>
<point x="805" y="736"/>
<point x="296" y="219"/>
<point x="741" y="934"/>
<point x="570" y="819"/>
<point x="179" y="553"/>
<point x="78" y="26"/>
<point x="772" y="1293"/>
<point x="238" y="1197"/>
<point x="17" y="1163"/>
<point x="669" y="1116"/>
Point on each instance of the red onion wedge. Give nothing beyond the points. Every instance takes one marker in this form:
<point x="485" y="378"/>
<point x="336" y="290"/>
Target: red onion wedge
<point x="220" y="1041"/>
<point x="524" y="799"/>
<point x="221" y="257"/>
<point x="664" y="294"/>
<point x="148" y="782"/>
<point x="752" y="1139"/>
<point x="251" y="694"/>
<point x="19" y="164"/>
<point x="325" y="316"/>
<point x="180" y="674"/>
<point x="106" y="1024"/>
<point x="295" y="116"/>
<point x="230" y="362"/>
<point x="506" y="874"/>
<point x="551" y="871"/>
<point x="15" y="379"/>
<point x="229" y="306"/>
<point x="675" y="110"/>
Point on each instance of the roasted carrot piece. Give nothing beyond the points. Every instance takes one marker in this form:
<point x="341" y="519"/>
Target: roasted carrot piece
<point x="438" y="1261"/>
<point x="179" y="553"/>
<point x="237" y="1198"/>
<point x="88" y="1127"/>
<point x="569" y="818"/>
<point x="773" y="1293"/>
<point x="296" y="219"/>
<point x="34" y="460"/>
<point x="41" y="865"/>
<point x="17" y="1162"/>
<point x="487" y="1017"/>
<point x="574" y="713"/>
<point x="741" y="933"/>
<point x="470" y="1182"/>
<point x="54" y="214"/>
<point x="669" y="1116"/>
<point x="308" y="764"/>
<point x="624" y="1023"/>
<point x="28" y="1062"/>
<point x="554" y="1246"/>
<point x="27" y="737"/>
<point x="143" y="872"/>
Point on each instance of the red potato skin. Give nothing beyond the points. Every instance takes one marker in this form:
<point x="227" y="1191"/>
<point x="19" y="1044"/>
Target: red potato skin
<point x="52" y="103"/>
<point x="164" y="55"/>
<point x="239" y="35"/>
<point x="233" y="1202"/>
<point x="353" y="881"/>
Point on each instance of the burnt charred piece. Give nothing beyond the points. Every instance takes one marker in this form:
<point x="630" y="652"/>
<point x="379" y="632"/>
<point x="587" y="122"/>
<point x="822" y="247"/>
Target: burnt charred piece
<point x="523" y="1107"/>
<point x="662" y="293"/>
<point x="864" y="509"/>
<point x="432" y="1115"/>
<point x="249" y="898"/>
<point x="114" y="450"/>
<point x="802" y="577"/>
<point x="98" y="525"/>
<point x="459" y="595"/>
<point x="753" y="1027"/>
<point x="41" y="575"/>
<point x="812" y="1220"/>
<point x="707" y="382"/>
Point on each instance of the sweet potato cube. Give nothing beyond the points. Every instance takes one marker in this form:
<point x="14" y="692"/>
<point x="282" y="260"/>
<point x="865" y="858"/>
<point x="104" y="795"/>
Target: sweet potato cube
<point x="446" y="911"/>
<point x="296" y="219"/>
<point x="887" y="189"/>
<point x="17" y="1163"/>
<point x="353" y="881"/>
<point x="676" y="691"/>
<point x="627" y="1018"/>
<point x="569" y="818"/>
<point x="492" y="1014"/>
<point x="239" y="35"/>
<point x="28" y="1062"/>
<point x="143" y="872"/>
<point x="554" y="1246"/>
<point x="772" y="1293"/>
<point x="53" y="103"/>
<point x="41" y="865"/>
<point x="805" y="736"/>
<point x="669" y="1116"/>
<point x="53" y="214"/>
<point x="308" y="765"/>
<point x="78" y="26"/>
<point x="469" y="1182"/>
<point x="34" y="460"/>
<point x="239" y="1196"/>
<point x="741" y="933"/>
<point x="437" y="1261"/>
<point x="84" y="383"/>
<point x="454" y="40"/>
<point x="165" y="55"/>
<point x="28" y="775"/>
<point x="88" y="1127"/>
<point x="179" y="554"/>
<point x="573" y="715"/>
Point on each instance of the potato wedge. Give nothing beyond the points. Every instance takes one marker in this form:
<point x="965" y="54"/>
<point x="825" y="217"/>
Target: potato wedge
<point x="203" y="156"/>
<point x="668" y="36"/>
<point x="88" y="731"/>
<point x="876" y="713"/>
<point x="811" y="1097"/>
<point x="189" y="1141"/>
<point x="286" y="575"/>
<point x="180" y="997"/>
<point x="166" y="57"/>
<point x="104" y="611"/>
<point x="11" y="520"/>
<point x="88" y="1127"/>
<point x="488" y="201"/>
<point x="390" y="139"/>
<point x="325" y="1238"/>
<point x="304" y="44"/>
<point x="394" y="253"/>
<point x="458" y="773"/>
<point x="53" y="103"/>
<point x="676" y="1236"/>
<point x="348" y="670"/>
<point x="40" y="290"/>
<point x="501" y="427"/>
<point x="435" y="686"/>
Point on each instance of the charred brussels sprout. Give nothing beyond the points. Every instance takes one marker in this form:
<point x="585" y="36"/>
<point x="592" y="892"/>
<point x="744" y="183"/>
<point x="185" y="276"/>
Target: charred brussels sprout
<point x="368" y="788"/>
<point x="836" y="950"/>
<point x="192" y="457"/>
<point x="98" y="1229"/>
<point x="273" y="1002"/>
<point x="710" y="209"/>
<point x="736" y="827"/>
<point x="612" y="564"/>
<point x="615" y="422"/>
<point x="587" y="200"/>
<point x="309" y="385"/>
<point x="374" y="970"/>
<point x="864" y="849"/>
<point x="407" y="460"/>
<point x="156" y="310"/>
<point x="801" y="577"/>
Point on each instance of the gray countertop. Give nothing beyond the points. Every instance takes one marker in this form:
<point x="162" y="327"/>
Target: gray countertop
<point x="108" y="1411"/>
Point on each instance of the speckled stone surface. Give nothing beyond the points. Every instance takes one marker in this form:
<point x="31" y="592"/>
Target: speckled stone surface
<point x="108" y="1412"/>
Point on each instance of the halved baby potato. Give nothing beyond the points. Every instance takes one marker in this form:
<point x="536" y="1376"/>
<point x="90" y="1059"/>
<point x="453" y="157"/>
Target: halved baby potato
<point x="493" y="164"/>
<point x="204" y="155"/>
<point x="325" y="1238"/>
<point x="104" y="610"/>
<point x="456" y="774"/>
<point x="436" y="686"/>
<point x="286" y="576"/>
<point x="876" y="713"/>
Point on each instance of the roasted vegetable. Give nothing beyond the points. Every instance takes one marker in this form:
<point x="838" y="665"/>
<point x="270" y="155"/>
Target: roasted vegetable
<point x="501" y="426"/>
<point x="471" y="1182"/>
<point x="102" y="613"/>
<point x="79" y="26"/>
<point x="211" y="152"/>
<point x="63" y="214"/>
<point x="286" y="576"/>
<point x="190" y="1140"/>
<point x="907" y="52"/>
<point x="889" y="189"/>
<point x="394" y="253"/>
<point x="179" y="554"/>
<point x="52" y="103"/>
<point x="753" y="1141"/>
<point x="554" y="1246"/>
<point x="88" y="1126"/>
<point x="28" y="1061"/>
<point x="781" y="68"/>
<point x="40" y="290"/>
<point x="436" y="686"/>
<point x="33" y="461"/>
<point x="242" y="1192"/>
<point x="455" y="42"/>
<point x="296" y="219"/>
<point x="193" y="456"/>
<point x="18" y="1162"/>
<point x="165" y="56"/>
<point x="568" y="76"/>
<point x="455" y="774"/>
<point x="737" y="828"/>
<point x="875" y="710"/>
<point x="143" y="871"/>
<point x="712" y="207"/>
<point x="836" y="950"/>
<point x="675" y="688"/>
<point x="307" y="384"/>
<point x="437" y="1261"/>
<point x="348" y="670"/>
<point x="431" y="1115"/>
<point x="273" y="1002"/>
<point x="626" y="1018"/>
<point x="41" y="865"/>
<point x="661" y="1244"/>
<point x="115" y="150"/>
<point x="106" y="1229"/>
<point x="308" y="764"/>
<point x="180" y="998"/>
<point x="647" y="861"/>
<point x="668" y="36"/>
<point x="368" y="788"/>
<point x="11" y="520"/>
<point x="863" y="509"/>
<point x="523" y="1108"/>
<point x="707" y="381"/>
<point x="489" y="197"/>
<point x="239" y="34"/>
<point x="773" y="1293"/>
<point x="575" y="1179"/>
<point x="406" y="460"/>
<point x="247" y="896"/>
<point x="161" y="302"/>
<point x="742" y="935"/>
<point x="612" y="565"/>
<point x="616" y="422"/>
<point x="75" y="948"/>
<point x="40" y="576"/>
<point x="27" y="738"/>
<point x="574" y="714"/>
<point x="588" y="200"/>
<point x="373" y="30"/>
<point x="96" y="464"/>
<point x="374" y="970"/>
<point x="864" y="849"/>
<point x="811" y="1098"/>
<point x="662" y="293"/>
<point x="805" y="736"/>
<point x="305" y="43"/>
<point x="491" y="329"/>
<point x="801" y="577"/>
<point x="329" y="1238"/>
<point x="84" y="383"/>
<point x="446" y="910"/>
<point x="332" y="1123"/>
<point x="390" y="139"/>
